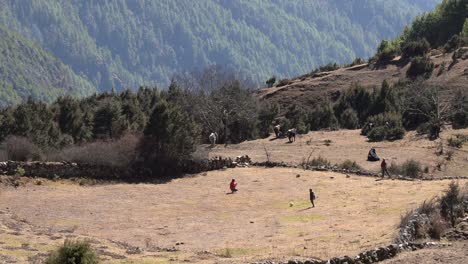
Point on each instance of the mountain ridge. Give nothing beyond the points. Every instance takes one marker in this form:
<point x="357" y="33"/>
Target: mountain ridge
<point x="126" y="44"/>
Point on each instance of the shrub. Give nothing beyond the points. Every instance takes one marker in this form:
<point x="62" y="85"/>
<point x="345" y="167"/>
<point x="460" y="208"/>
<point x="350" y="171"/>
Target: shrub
<point x="385" y="126"/>
<point x="73" y="252"/>
<point x="115" y="153"/>
<point x="283" y="82"/>
<point x="409" y="168"/>
<point x="420" y="66"/>
<point x="20" y="149"/>
<point x="456" y="142"/>
<point x="451" y="203"/>
<point x="424" y="128"/>
<point x="378" y="134"/>
<point x="349" y="119"/>
<point x="412" y="168"/>
<point x="20" y="171"/>
<point x="270" y="82"/>
<point x="415" y="48"/>
<point x="453" y="43"/>
<point x="437" y="225"/>
<point x="387" y="50"/>
<point x="350" y="165"/>
<point x="316" y="162"/>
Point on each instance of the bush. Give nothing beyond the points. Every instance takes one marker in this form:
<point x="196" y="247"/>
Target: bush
<point x="316" y="162"/>
<point x="420" y="66"/>
<point x="349" y="119"/>
<point x="385" y="126"/>
<point x="387" y="50"/>
<point x="350" y="165"/>
<point x="415" y="48"/>
<point x="73" y="252"/>
<point x="456" y="142"/>
<point x="453" y="43"/>
<point x="409" y="168"/>
<point x="412" y="168"/>
<point x="20" y="149"/>
<point x="451" y="204"/>
<point x="270" y="82"/>
<point x="115" y="153"/>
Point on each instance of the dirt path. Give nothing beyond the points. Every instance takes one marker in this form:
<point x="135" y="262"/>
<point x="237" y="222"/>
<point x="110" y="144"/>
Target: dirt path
<point x="198" y="218"/>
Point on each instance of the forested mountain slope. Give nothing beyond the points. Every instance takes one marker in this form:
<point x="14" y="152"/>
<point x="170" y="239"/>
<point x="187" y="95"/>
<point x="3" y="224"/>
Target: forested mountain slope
<point x="26" y="70"/>
<point x="127" y="43"/>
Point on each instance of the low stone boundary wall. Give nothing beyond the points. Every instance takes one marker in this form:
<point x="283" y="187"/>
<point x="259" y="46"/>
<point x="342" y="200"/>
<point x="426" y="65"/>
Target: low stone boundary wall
<point x="346" y="171"/>
<point x="53" y="170"/>
<point x="370" y="256"/>
<point x="66" y="170"/>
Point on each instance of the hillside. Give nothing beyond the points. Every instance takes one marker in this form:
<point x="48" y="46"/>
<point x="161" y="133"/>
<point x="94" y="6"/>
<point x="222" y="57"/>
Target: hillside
<point x="122" y="43"/>
<point x="308" y="89"/>
<point x="26" y="70"/>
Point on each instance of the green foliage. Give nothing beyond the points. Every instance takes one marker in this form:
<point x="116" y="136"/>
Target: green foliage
<point x="385" y="126"/>
<point x="323" y="116"/>
<point x="316" y="162"/>
<point x="20" y="171"/>
<point x="356" y="98"/>
<point x="28" y="70"/>
<point x="129" y="43"/>
<point x="439" y="25"/>
<point x="297" y="117"/>
<point x="271" y="82"/>
<point x="350" y="165"/>
<point x="387" y="50"/>
<point x="409" y="168"/>
<point x="415" y="48"/>
<point x="73" y="252"/>
<point x="452" y="203"/>
<point x="457" y="141"/>
<point x="384" y="100"/>
<point x="266" y="116"/>
<point x="420" y="66"/>
<point x="349" y="119"/>
<point x="170" y="138"/>
<point x="459" y="109"/>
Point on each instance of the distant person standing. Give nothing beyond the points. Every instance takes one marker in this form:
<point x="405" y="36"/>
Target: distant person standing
<point x="383" y="165"/>
<point x="312" y="197"/>
<point x="233" y="186"/>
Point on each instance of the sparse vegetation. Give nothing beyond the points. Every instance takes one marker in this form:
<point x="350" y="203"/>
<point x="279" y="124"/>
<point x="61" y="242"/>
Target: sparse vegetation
<point x="271" y="82"/>
<point x="441" y="213"/>
<point x="420" y="66"/>
<point x="350" y="165"/>
<point x="457" y="141"/>
<point x="315" y="162"/>
<point x="73" y="252"/>
<point x="409" y="168"/>
<point x="451" y="203"/>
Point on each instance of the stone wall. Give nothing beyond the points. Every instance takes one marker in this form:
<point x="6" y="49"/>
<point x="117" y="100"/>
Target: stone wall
<point x="66" y="170"/>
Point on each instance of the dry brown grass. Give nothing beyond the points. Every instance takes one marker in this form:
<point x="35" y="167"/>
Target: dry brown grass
<point x="351" y="214"/>
<point x="350" y="145"/>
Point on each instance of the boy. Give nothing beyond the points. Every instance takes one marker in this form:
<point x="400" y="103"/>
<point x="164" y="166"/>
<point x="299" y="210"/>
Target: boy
<point x="312" y="197"/>
<point x="233" y="186"/>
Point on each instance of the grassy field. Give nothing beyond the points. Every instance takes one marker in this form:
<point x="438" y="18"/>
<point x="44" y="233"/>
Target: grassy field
<point x="205" y="224"/>
<point x="350" y="145"/>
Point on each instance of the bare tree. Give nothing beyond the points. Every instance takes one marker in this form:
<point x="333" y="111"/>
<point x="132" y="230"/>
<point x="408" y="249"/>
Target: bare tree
<point x="424" y="102"/>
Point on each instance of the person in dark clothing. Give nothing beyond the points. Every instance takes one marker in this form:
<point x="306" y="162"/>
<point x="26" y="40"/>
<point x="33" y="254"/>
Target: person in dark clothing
<point x="233" y="186"/>
<point x="383" y="165"/>
<point x="312" y="197"/>
<point x="372" y="155"/>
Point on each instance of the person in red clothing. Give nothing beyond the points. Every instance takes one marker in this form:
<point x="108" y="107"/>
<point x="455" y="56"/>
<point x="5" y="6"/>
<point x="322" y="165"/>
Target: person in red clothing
<point x="383" y="165"/>
<point x="233" y="186"/>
